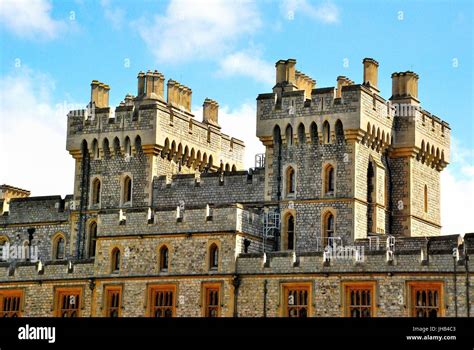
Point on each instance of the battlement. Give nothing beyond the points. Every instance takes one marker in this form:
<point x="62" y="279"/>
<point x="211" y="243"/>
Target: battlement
<point x="182" y="218"/>
<point x="364" y="113"/>
<point x="37" y="210"/>
<point x="407" y="257"/>
<point x="229" y="187"/>
<point x="7" y="193"/>
<point x="28" y="271"/>
<point x="164" y="127"/>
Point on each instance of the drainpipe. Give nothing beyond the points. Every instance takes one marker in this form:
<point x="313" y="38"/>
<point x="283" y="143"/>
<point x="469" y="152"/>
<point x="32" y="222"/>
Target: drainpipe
<point x="278" y="235"/>
<point x="236" y="284"/>
<point x="455" y="283"/>
<point x="265" y="290"/>
<point x="466" y="264"/>
<point x="31" y="232"/>
<point x="389" y="192"/>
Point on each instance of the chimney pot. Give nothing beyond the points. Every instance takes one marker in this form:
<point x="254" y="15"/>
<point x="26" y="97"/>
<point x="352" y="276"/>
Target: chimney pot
<point x="210" y="110"/>
<point x="141" y="84"/>
<point x="370" y="73"/>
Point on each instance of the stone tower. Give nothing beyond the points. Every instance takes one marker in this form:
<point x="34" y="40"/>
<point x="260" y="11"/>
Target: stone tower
<point x="119" y="154"/>
<point x="344" y="163"/>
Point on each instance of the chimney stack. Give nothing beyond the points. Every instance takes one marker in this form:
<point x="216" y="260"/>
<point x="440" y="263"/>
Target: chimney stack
<point x="210" y="109"/>
<point x="286" y="72"/>
<point x="285" y="76"/>
<point x="342" y="81"/>
<point x="95" y="93"/>
<point x="179" y="95"/>
<point x="170" y="91"/>
<point x="370" y="73"/>
<point x="141" y="84"/>
<point x="149" y="83"/>
<point x="99" y="94"/>
<point x="405" y="85"/>
<point x="158" y="84"/>
<point x="152" y="85"/>
<point x="304" y="82"/>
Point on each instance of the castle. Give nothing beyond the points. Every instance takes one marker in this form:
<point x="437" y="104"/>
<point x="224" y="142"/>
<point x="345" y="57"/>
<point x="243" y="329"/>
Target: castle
<point x="339" y="217"/>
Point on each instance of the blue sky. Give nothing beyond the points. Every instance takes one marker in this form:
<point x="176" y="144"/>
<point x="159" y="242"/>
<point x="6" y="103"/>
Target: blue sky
<point x="51" y="50"/>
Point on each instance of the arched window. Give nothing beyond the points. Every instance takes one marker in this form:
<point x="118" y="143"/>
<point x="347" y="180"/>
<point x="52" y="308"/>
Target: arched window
<point x="84" y="149"/>
<point x="127" y="189"/>
<point x="234" y="168"/>
<point x="115" y="262"/>
<point x="117" y="146"/>
<point x="213" y="257"/>
<point x="425" y="199"/>
<point x="276" y="135"/>
<point x="211" y="162"/>
<point x="96" y="191"/>
<point x="59" y="248"/>
<point x="128" y="147"/>
<point x="92" y="239"/>
<point x="370" y="183"/>
<point x="289" y="135"/>
<point x="314" y="133"/>
<point x="326" y="132"/>
<point x="138" y="144"/>
<point x="106" y="147"/>
<point x="290" y="181"/>
<point x="329" y="228"/>
<point x="301" y="134"/>
<point x="164" y="258"/>
<point x="290" y="232"/>
<point x="166" y="148"/>
<point x="95" y="149"/>
<point x="329" y="179"/>
<point x="339" y="131"/>
<point x="227" y="167"/>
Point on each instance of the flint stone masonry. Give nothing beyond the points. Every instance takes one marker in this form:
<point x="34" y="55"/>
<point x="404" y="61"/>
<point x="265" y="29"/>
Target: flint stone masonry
<point x="189" y="193"/>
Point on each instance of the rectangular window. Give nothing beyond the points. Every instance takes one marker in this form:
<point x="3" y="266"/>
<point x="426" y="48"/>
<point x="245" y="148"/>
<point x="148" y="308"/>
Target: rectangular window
<point x="212" y="300"/>
<point x="162" y="301"/>
<point x="297" y="300"/>
<point x="360" y="299"/>
<point x="68" y="301"/>
<point x="10" y="303"/>
<point x="426" y="299"/>
<point x="113" y="301"/>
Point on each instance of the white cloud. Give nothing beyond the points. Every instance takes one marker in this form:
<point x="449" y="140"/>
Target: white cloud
<point x="115" y="15"/>
<point x="245" y="63"/>
<point x="33" y="135"/>
<point x="457" y="191"/>
<point x="29" y="18"/>
<point x="241" y="124"/>
<point x="191" y="30"/>
<point x="325" y="12"/>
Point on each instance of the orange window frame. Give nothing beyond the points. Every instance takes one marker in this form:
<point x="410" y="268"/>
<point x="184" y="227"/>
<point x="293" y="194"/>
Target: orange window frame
<point x="437" y="288"/>
<point x="113" y="301"/>
<point x="162" y="300"/>
<point x="360" y="289"/>
<point x="212" y="299"/>
<point x="68" y="301"/>
<point x="297" y="299"/>
<point x="11" y="303"/>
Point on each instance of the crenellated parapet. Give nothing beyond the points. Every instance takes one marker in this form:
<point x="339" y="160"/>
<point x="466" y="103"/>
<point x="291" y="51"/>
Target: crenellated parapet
<point x="165" y="127"/>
